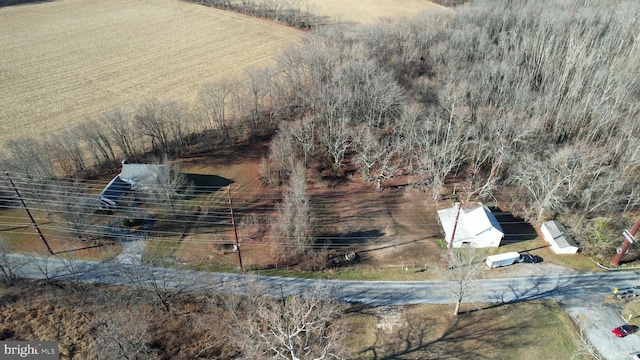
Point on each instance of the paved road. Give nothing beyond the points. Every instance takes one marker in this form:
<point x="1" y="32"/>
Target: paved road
<point x="574" y="287"/>
<point x="580" y="294"/>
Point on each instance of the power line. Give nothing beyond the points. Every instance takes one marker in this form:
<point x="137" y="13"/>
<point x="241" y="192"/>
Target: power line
<point x="330" y="211"/>
<point x="35" y="225"/>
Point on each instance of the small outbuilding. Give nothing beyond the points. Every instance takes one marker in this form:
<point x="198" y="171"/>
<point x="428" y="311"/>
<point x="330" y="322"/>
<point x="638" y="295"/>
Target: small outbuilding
<point x="476" y="226"/>
<point x="556" y="235"/>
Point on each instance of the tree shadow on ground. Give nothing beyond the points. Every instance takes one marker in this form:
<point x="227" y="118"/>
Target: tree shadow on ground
<point x="21" y="2"/>
<point x="207" y="184"/>
<point x="352" y="238"/>
<point x="515" y="229"/>
<point x="230" y="154"/>
<point x="460" y="337"/>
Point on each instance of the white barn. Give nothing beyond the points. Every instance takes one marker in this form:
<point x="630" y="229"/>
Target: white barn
<point x="477" y="226"/>
<point x="556" y="235"/>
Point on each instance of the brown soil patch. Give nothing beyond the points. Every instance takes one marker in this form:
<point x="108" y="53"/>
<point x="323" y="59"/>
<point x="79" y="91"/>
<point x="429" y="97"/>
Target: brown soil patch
<point x="395" y="230"/>
<point x="394" y="227"/>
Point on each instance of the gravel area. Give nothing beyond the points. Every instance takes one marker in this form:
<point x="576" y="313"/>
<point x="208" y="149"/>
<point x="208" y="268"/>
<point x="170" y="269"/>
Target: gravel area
<point x="597" y="319"/>
<point x="595" y="315"/>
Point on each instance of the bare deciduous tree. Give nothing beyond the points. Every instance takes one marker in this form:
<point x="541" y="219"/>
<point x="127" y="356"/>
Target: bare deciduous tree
<point x="379" y="156"/>
<point x="303" y="133"/>
<point x="439" y="147"/>
<point x="561" y="180"/>
<point x="124" y="334"/>
<point x="335" y="135"/>
<point x="585" y="348"/>
<point x="165" y="124"/>
<point x="463" y="267"/>
<point x="296" y="327"/>
<point x="73" y="267"/>
<point x="258" y="87"/>
<point x="215" y="98"/>
<point x="73" y="206"/>
<point x="66" y="150"/>
<point x="9" y="265"/>
<point x="29" y="158"/>
<point x="122" y="130"/>
<point x="281" y="161"/>
<point x="151" y="281"/>
<point x="98" y="143"/>
<point x="293" y="230"/>
<point x="43" y="263"/>
<point x="171" y="189"/>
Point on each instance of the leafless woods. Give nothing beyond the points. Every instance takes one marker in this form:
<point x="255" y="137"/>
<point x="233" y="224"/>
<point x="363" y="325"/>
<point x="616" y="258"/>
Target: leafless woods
<point x="534" y="103"/>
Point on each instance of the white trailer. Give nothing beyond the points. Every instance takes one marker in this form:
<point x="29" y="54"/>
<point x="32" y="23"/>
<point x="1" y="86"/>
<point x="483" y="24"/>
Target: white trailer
<point x="505" y="259"/>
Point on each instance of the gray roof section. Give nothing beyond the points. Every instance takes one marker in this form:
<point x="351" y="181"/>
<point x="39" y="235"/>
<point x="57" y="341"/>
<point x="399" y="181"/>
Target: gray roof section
<point x="142" y="176"/>
<point x="132" y="177"/>
<point x="114" y="191"/>
<point x="559" y="234"/>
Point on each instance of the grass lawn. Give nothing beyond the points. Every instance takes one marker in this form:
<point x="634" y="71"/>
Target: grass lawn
<point x="19" y="235"/>
<point x="537" y="246"/>
<point x="520" y="331"/>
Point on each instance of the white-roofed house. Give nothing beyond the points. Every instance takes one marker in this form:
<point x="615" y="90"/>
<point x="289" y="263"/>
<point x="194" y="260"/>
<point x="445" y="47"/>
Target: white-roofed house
<point x="131" y="177"/>
<point x="556" y="235"/>
<point x="476" y="226"/>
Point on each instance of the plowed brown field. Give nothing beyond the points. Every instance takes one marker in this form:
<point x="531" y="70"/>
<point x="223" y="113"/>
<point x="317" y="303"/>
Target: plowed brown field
<point x="368" y="11"/>
<point x="64" y="60"/>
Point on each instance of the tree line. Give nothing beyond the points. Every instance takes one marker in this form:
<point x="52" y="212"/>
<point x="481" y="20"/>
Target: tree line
<point x="296" y="13"/>
<point x="533" y="104"/>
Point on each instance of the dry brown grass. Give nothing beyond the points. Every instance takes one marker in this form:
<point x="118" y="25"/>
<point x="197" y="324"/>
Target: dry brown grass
<point x="72" y="315"/>
<point x="19" y="235"/>
<point x="522" y="331"/>
<point x="68" y="59"/>
<point x="368" y="11"/>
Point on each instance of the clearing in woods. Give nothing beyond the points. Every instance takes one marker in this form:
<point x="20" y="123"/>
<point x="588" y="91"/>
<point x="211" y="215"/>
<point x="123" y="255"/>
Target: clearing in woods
<point x="65" y="60"/>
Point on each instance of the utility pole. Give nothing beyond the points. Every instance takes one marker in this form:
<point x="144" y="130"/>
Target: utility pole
<point x="33" y="221"/>
<point x="453" y="235"/>
<point x="236" y="243"/>
<point x="629" y="238"/>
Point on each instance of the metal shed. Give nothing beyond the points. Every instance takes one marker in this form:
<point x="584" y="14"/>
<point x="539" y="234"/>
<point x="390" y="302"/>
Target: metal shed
<point x="556" y="235"/>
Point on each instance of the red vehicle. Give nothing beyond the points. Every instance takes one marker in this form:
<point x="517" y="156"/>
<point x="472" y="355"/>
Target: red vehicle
<point x="624" y="330"/>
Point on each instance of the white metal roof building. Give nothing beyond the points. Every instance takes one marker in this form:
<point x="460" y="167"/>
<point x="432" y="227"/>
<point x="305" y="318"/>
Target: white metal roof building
<point x="142" y="176"/>
<point x="477" y="227"/>
<point x="131" y="177"/>
<point x="555" y="234"/>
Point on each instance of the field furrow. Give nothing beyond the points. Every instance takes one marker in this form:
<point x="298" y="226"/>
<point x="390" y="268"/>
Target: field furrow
<point x="66" y="60"/>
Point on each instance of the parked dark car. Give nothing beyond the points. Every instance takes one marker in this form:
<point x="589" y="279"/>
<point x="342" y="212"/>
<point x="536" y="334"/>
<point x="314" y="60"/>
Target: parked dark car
<point x="528" y="258"/>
